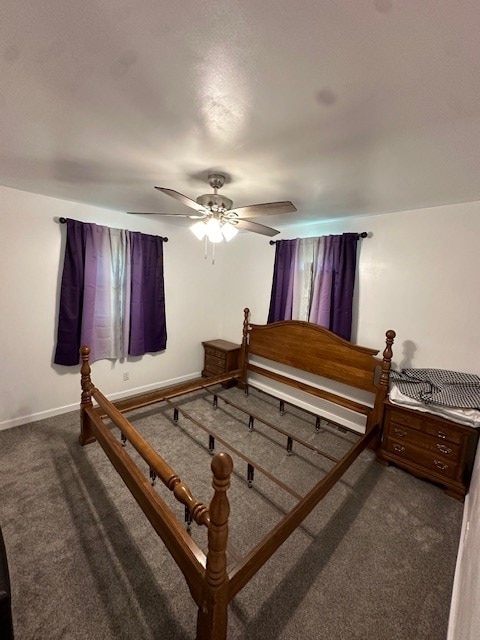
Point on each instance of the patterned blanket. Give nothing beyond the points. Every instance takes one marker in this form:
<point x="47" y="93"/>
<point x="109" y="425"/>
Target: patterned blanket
<point x="439" y="386"/>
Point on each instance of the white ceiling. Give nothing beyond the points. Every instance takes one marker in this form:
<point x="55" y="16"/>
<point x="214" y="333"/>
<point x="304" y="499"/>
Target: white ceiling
<point x="344" y="107"/>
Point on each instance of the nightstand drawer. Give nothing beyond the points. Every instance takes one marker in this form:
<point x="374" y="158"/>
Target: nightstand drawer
<point x="422" y="457"/>
<point x="426" y="423"/>
<point x="423" y="440"/>
<point x="215" y="353"/>
<point x="444" y="433"/>
<point x="214" y="365"/>
<point x="407" y="420"/>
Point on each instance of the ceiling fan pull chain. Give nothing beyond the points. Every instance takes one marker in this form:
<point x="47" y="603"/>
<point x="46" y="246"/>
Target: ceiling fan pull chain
<point x="213" y="252"/>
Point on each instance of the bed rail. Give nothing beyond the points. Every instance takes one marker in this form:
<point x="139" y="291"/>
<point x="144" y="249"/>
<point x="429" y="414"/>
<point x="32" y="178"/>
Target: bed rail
<point x="189" y="557"/>
<point x="242" y="573"/>
<point x="206" y="576"/>
<point x="156" y="463"/>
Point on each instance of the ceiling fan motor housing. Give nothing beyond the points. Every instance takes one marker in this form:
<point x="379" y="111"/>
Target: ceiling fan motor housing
<point x="215" y="202"/>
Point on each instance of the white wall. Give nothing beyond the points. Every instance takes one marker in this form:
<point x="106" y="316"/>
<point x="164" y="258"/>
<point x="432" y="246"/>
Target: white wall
<point x="418" y="273"/>
<point x="31" y="260"/>
<point x="464" y="620"/>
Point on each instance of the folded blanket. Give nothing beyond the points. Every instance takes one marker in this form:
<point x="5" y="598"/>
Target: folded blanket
<point x="439" y="386"/>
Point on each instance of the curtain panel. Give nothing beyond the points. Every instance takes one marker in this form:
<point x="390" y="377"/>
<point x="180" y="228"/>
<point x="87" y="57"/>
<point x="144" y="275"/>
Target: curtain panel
<point x="313" y="280"/>
<point x="112" y="294"/>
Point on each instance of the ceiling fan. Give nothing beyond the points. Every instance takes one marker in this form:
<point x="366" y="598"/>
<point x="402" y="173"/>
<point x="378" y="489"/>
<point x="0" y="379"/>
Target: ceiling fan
<point x="216" y="218"/>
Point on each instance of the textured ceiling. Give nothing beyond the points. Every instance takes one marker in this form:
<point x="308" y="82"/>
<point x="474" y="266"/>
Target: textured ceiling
<point x="346" y="108"/>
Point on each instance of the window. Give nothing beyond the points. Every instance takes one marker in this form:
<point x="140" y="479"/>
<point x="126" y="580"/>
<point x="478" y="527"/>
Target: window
<point x="313" y="280"/>
<point x="112" y="294"/>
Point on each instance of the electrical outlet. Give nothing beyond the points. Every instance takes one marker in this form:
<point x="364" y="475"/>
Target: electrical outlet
<point x="126" y="376"/>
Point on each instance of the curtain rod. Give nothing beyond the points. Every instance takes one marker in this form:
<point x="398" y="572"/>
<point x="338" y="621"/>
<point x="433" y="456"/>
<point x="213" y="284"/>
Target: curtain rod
<point x="364" y="234"/>
<point x="64" y="221"/>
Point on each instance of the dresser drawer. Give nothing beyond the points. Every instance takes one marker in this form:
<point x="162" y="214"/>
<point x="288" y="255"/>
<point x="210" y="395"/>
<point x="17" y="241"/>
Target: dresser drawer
<point x="436" y="463"/>
<point x="426" y="423"/>
<point x="407" y="420"/>
<point x="423" y="440"/>
<point x="210" y="352"/>
<point x="442" y="432"/>
<point x="214" y="365"/>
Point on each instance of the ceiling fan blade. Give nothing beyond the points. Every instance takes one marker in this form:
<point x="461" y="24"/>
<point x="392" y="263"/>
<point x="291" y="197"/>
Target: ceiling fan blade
<point x="186" y="201"/>
<point x="192" y="216"/>
<point x="255" y="227"/>
<point x="267" y="208"/>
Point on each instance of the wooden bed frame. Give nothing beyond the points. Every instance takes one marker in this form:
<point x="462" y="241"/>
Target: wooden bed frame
<point x="301" y="345"/>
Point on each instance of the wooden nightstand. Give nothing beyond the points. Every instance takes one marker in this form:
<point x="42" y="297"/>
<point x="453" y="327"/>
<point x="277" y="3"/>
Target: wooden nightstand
<point x="430" y="447"/>
<point x="221" y="356"/>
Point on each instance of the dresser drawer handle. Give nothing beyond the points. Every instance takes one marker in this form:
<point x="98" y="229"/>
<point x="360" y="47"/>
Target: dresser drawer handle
<point x="400" y="432"/>
<point x="444" y="449"/>
<point x="398" y="447"/>
<point x="441" y="465"/>
<point x="441" y="434"/>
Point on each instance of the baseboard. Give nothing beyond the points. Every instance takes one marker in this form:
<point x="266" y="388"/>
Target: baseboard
<point x="51" y="413"/>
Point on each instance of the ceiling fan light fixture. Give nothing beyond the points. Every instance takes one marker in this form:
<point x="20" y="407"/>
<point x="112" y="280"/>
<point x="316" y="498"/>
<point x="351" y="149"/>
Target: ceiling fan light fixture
<point x="199" y="229"/>
<point x="229" y="231"/>
<point x="213" y="230"/>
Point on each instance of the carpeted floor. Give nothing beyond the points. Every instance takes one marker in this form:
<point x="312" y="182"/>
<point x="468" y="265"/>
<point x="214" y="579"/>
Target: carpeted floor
<point x="374" y="560"/>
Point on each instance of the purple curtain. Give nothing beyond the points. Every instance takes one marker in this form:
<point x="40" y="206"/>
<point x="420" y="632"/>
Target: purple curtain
<point x="333" y="284"/>
<point x="148" y="331"/>
<point x="105" y="319"/>
<point x="344" y="285"/>
<point x="71" y="295"/>
<point x="282" y="285"/>
<point x="112" y="294"/>
<point x="332" y="265"/>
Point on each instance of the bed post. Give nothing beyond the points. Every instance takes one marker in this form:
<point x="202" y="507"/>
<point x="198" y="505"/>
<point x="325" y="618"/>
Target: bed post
<point x="377" y="417"/>
<point x="387" y="360"/>
<point x="244" y="351"/>
<point x="212" y="614"/>
<point x="86" y="434"/>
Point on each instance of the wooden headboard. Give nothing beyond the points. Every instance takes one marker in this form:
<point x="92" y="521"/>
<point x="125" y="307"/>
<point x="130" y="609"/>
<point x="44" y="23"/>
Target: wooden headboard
<point x="309" y="347"/>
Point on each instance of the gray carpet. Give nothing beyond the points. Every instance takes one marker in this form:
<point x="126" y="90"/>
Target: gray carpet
<point x="374" y="560"/>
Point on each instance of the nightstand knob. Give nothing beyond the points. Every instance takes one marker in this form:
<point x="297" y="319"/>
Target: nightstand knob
<point x="444" y="449"/>
<point x="441" y="434"/>
<point x="400" y="432"/>
<point x="441" y="465"/>
<point x="398" y="447"/>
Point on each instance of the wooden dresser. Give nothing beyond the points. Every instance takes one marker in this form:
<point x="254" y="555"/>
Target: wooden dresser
<point x="430" y="447"/>
<point x="221" y="356"/>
